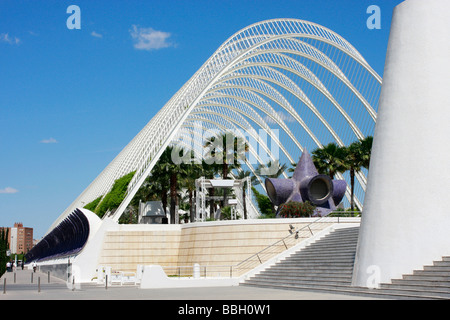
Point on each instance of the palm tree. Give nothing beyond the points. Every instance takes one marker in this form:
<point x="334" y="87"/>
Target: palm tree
<point x="366" y="149"/>
<point x="330" y="159"/>
<point x="243" y="175"/>
<point x="166" y="165"/>
<point x="219" y="148"/>
<point x="292" y="168"/>
<point x="353" y="161"/>
<point x="271" y="170"/>
<point x="357" y="156"/>
<point x="193" y="171"/>
<point x="209" y="170"/>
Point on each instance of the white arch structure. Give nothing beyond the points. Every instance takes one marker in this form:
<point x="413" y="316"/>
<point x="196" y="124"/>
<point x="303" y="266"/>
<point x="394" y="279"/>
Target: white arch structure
<point x="298" y="82"/>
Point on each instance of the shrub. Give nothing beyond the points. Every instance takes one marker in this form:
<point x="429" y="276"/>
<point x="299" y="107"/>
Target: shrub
<point x="226" y="213"/>
<point x="264" y="204"/>
<point x="93" y="205"/>
<point x="114" y="198"/>
<point x="296" y="209"/>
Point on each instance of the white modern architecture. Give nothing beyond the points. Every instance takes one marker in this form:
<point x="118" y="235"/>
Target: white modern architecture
<point x="406" y="220"/>
<point x="282" y="84"/>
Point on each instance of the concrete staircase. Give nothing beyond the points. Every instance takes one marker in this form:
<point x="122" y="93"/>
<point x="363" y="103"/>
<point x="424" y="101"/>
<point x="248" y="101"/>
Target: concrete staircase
<point x="432" y="282"/>
<point x="327" y="265"/>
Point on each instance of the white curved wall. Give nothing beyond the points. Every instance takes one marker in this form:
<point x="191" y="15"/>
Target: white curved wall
<point x="406" y="218"/>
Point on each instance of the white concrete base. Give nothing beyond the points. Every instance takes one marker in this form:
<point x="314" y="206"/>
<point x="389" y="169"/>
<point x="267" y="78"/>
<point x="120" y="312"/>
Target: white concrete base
<point x="154" y="277"/>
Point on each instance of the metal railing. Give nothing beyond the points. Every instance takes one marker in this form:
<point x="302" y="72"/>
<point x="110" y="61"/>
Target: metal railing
<point x="293" y="238"/>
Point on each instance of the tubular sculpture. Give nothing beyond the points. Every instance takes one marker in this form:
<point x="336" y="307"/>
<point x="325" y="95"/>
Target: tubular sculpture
<point x="307" y="184"/>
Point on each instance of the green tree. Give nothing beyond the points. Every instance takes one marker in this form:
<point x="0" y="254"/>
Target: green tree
<point x="157" y="187"/>
<point x="243" y="175"/>
<point x="114" y="198"/>
<point x="209" y="171"/>
<point x="4" y="233"/>
<point x="174" y="171"/>
<point x="192" y="172"/>
<point x="330" y="159"/>
<point x="366" y="151"/>
<point x="226" y="150"/>
<point x="353" y="161"/>
<point x="92" y="206"/>
<point x="271" y="169"/>
<point x="264" y="204"/>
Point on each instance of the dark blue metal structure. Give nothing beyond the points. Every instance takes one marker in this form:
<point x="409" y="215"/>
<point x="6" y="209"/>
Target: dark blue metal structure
<point x="68" y="238"/>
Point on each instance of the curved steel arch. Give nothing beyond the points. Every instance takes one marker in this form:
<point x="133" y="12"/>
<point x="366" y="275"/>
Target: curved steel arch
<point x="361" y="178"/>
<point x="266" y="109"/>
<point x="201" y="116"/>
<point x="274" y="95"/>
<point x="179" y="141"/>
<point x="303" y="72"/>
<point x="252" y="115"/>
<point x="273" y="48"/>
<point x="224" y="128"/>
<point x="274" y="138"/>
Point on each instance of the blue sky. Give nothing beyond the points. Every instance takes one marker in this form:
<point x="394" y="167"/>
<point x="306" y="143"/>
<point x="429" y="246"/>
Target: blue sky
<point x="70" y="100"/>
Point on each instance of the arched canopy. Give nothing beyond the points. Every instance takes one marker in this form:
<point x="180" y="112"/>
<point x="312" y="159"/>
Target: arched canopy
<point x="297" y="82"/>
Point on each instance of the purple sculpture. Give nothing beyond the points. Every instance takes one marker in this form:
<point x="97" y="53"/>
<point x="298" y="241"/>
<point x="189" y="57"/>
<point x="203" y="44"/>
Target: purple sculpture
<point x="307" y="185"/>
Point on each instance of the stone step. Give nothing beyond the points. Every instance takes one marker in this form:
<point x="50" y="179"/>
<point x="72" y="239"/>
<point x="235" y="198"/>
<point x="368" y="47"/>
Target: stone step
<point x="312" y="283"/>
<point x="327" y="265"/>
<point x="430" y="273"/>
<point x="321" y="255"/>
<point x="341" y="233"/>
<point x="437" y="268"/>
<point x="325" y="250"/>
<point x="333" y="244"/>
<point x="378" y="293"/>
<point x="321" y="258"/>
<point x="427" y="277"/>
<point x="338" y="237"/>
<point x="289" y="277"/>
<point x="314" y="264"/>
<point x="311" y="268"/>
<point x="318" y="277"/>
<point x="423" y="283"/>
<point x="442" y="264"/>
<point x="442" y="292"/>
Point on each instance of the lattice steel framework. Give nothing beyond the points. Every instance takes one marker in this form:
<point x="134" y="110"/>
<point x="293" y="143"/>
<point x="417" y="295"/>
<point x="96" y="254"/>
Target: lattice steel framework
<point x="297" y="82"/>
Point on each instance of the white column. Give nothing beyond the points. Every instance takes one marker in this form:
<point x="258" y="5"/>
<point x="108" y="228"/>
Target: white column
<point x="406" y="217"/>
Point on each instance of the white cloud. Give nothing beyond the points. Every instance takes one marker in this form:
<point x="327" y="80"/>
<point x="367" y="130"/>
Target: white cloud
<point x="51" y="140"/>
<point x="4" y="37"/>
<point x="96" y="35"/>
<point x="282" y="115"/>
<point x="9" y="190"/>
<point x="149" y="39"/>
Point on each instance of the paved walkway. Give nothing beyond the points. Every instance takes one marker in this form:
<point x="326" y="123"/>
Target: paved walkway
<point x="56" y="289"/>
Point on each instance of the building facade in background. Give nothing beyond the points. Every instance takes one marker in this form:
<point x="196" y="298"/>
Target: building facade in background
<point x="20" y="238"/>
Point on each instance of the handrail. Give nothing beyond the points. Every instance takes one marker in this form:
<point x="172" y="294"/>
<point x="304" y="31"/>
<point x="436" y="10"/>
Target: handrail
<point x="292" y="233"/>
<point x="281" y="240"/>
